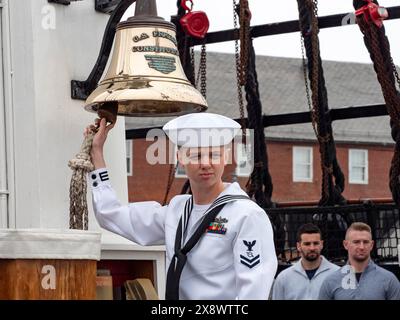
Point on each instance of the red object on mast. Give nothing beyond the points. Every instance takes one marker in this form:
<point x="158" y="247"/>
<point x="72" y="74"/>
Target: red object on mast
<point x="194" y="23"/>
<point x="373" y="12"/>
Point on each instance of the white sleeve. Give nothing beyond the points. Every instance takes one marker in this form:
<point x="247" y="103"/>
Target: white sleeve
<point x="254" y="257"/>
<point x="141" y="222"/>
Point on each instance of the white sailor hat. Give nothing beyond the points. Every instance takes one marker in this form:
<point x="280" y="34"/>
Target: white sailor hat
<point x="201" y="130"/>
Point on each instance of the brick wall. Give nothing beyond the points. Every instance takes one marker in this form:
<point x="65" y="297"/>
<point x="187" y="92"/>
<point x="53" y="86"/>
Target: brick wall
<point x="149" y="182"/>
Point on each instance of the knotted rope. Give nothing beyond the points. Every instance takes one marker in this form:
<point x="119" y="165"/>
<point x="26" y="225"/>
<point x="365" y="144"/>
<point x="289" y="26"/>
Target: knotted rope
<point x="80" y="165"/>
<point x="259" y="185"/>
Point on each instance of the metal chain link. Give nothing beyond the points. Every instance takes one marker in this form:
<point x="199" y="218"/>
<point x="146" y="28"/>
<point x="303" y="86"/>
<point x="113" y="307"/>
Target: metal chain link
<point x="315" y="2"/>
<point x="244" y="35"/>
<point x="203" y="71"/>
<point x="313" y="100"/>
<point x="198" y="73"/>
<point x="192" y="62"/>
<point x="396" y="73"/>
<point x="238" y="71"/>
<point x="310" y="107"/>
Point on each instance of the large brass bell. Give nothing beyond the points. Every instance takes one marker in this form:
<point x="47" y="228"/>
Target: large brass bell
<point x="145" y="76"/>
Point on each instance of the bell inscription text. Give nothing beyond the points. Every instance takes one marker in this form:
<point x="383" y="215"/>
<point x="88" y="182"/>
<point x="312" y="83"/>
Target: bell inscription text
<point x="160" y="63"/>
<point x="155" y="49"/>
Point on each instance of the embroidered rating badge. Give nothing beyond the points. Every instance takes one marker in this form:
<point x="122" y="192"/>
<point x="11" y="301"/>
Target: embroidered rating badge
<point x="250" y="260"/>
<point x="217" y="226"/>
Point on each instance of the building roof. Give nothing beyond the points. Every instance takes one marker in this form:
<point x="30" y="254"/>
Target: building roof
<point x="282" y="90"/>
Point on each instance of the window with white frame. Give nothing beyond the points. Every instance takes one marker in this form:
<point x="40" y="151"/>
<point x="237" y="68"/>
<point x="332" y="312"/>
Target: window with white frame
<point x="302" y="164"/>
<point x="128" y="157"/>
<point x="358" y="166"/>
<point x="180" y="170"/>
<point x="243" y="160"/>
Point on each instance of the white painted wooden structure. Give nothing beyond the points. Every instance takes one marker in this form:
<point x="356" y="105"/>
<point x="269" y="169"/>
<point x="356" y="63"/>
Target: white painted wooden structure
<point x="44" y="47"/>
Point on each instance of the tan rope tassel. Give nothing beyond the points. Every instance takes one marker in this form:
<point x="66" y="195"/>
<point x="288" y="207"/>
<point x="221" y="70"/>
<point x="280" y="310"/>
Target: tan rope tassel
<point x="80" y="165"/>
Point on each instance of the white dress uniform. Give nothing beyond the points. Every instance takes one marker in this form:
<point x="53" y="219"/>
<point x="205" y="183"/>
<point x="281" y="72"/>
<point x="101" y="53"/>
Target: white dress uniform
<point x="235" y="255"/>
<point x="238" y="264"/>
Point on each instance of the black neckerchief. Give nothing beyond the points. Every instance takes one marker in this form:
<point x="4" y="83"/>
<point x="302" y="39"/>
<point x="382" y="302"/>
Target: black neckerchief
<point x="178" y="261"/>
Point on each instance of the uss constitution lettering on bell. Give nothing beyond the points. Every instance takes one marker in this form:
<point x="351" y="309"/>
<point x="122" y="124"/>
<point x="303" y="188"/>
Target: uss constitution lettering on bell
<point x="143" y="36"/>
<point x="165" y="35"/>
<point x="155" y="49"/>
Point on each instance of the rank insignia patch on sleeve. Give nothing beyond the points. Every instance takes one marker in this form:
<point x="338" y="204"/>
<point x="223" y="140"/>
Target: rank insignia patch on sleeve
<point x="250" y="258"/>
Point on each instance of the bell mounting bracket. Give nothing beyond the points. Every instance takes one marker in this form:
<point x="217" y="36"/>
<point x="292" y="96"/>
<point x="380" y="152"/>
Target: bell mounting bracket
<point x="106" y="6"/>
<point x="64" y="2"/>
<point x="81" y="89"/>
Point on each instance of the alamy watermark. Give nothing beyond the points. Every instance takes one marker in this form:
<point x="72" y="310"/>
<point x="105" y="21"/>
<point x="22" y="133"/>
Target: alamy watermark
<point x="192" y="144"/>
<point x="48" y="17"/>
<point x="349" y="281"/>
<point x="49" y="278"/>
<point x="348" y="19"/>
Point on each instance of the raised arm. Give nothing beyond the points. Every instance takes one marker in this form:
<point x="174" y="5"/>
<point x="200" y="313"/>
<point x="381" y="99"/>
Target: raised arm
<point x="141" y="222"/>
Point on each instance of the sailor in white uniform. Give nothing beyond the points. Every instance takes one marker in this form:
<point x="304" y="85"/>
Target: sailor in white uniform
<point x="219" y="243"/>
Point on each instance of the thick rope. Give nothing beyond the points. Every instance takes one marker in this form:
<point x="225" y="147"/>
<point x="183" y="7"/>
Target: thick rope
<point x="378" y="46"/>
<point x="331" y="193"/>
<point x="80" y="165"/>
<point x="259" y="185"/>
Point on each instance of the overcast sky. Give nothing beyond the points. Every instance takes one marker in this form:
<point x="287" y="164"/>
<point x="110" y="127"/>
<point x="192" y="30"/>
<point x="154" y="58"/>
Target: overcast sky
<point x="339" y="44"/>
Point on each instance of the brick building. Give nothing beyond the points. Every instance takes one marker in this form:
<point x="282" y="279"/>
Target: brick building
<point x="364" y="146"/>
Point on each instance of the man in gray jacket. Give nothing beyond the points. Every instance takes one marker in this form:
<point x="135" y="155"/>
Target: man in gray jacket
<point x="360" y="278"/>
<point x="303" y="280"/>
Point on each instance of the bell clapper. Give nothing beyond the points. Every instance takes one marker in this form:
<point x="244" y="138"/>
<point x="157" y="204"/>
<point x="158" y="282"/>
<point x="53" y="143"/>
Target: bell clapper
<point x="108" y="111"/>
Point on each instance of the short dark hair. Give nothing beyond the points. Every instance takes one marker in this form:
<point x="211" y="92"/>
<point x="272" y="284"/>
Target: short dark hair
<point x="308" y="228"/>
<point x="359" y="226"/>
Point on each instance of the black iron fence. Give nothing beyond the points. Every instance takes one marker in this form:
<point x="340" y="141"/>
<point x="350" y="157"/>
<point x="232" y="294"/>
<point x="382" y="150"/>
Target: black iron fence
<point x="333" y="222"/>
